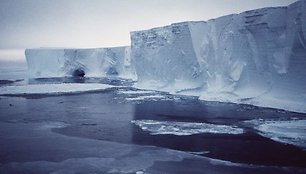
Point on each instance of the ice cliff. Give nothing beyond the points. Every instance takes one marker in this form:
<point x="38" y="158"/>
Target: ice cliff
<point x="256" y="57"/>
<point x="96" y="62"/>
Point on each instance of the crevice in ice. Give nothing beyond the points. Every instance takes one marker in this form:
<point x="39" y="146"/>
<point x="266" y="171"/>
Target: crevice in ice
<point x="302" y="39"/>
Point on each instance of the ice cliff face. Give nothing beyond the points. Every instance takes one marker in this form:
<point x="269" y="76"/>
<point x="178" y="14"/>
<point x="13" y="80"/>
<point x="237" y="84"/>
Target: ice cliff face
<point x="97" y="62"/>
<point x="256" y="57"/>
<point x="165" y="57"/>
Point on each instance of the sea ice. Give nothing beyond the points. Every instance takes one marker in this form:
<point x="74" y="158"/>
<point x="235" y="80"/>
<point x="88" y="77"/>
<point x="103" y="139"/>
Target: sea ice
<point x="285" y="131"/>
<point x="51" y="88"/>
<point x="184" y="128"/>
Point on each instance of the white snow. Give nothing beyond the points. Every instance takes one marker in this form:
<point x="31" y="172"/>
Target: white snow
<point x="285" y="131"/>
<point x="184" y="128"/>
<point x="52" y="88"/>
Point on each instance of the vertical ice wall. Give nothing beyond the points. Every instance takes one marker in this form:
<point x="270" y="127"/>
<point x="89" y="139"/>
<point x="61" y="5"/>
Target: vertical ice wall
<point x="259" y="56"/>
<point x="164" y="58"/>
<point x="96" y="62"/>
<point x="241" y="54"/>
<point x="256" y="57"/>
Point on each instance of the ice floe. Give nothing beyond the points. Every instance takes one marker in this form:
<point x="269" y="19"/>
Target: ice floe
<point x="285" y="131"/>
<point x="184" y="128"/>
<point x="130" y="92"/>
<point x="51" y="88"/>
<point x="147" y="97"/>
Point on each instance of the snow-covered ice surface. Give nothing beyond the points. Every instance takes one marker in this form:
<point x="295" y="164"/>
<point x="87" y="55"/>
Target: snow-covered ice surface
<point x="52" y="88"/>
<point x="285" y="131"/>
<point x="184" y="128"/>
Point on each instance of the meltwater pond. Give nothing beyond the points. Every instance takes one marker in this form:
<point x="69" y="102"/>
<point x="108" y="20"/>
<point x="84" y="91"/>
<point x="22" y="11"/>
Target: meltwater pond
<point x="125" y="130"/>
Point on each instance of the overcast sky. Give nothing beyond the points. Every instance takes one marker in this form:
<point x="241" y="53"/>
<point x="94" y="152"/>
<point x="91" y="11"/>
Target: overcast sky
<point x="103" y="23"/>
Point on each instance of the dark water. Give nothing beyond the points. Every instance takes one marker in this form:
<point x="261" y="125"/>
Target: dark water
<point x="250" y="147"/>
<point x="107" y="116"/>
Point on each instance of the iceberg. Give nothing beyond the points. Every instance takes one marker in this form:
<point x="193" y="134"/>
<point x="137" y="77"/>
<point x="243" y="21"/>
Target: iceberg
<point x="95" y="62"/>
<point x="256" y="57"/>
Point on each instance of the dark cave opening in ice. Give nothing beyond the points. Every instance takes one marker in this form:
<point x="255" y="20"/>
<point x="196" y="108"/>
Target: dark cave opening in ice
<point x="78" y="73"/>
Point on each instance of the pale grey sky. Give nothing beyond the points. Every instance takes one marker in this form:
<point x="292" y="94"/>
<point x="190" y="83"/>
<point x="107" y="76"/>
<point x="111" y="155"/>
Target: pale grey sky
<point x="103" y="23"/>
